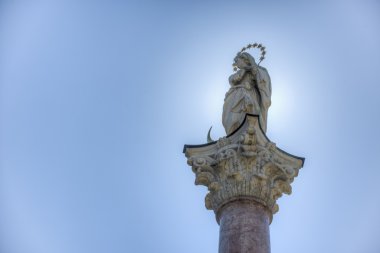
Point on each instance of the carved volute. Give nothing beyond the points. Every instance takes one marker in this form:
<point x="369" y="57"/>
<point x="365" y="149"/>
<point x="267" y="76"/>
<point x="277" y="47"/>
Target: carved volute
<point x="243" y="165"/>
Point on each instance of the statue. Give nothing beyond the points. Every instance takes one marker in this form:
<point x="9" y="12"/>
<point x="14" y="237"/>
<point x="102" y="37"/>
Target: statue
<point x="250" y="91"/>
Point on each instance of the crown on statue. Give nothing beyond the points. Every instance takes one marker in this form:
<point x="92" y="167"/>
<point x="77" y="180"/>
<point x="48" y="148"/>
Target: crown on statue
<point x="249" y="46"/>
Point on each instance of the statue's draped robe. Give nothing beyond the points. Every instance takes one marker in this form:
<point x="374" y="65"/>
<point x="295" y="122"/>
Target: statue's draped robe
<point x="248" y="94"/>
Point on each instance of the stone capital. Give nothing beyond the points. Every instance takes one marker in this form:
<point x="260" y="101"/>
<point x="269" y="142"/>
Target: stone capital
<point x="243" y="165"/>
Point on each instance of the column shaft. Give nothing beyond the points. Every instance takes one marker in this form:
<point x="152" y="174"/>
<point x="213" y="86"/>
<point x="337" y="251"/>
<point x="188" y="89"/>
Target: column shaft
<point x="244" y="228"/>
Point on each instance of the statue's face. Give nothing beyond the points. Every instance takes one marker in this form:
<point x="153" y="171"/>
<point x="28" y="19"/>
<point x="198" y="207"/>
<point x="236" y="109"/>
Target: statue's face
<point x="241" y="62"/>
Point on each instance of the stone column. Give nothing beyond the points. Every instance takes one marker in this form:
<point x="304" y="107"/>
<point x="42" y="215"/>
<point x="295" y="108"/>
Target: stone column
<point x="244" y="227"/>
<point x="245" y="174"/>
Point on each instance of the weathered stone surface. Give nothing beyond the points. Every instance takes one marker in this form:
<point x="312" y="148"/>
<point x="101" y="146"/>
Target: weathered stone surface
<point x="243" y="165"/>
<point x="244" y="227"/>
<point x="250" y="92"/>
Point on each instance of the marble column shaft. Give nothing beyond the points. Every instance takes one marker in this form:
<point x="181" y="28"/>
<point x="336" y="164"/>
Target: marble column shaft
<point x="244" y="227"/>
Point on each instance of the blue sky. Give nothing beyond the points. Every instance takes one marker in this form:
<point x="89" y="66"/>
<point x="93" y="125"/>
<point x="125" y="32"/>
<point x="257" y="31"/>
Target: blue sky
<point x="98" y="98"/>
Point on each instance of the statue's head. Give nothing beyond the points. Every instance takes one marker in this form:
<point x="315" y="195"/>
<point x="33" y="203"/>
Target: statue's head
<point x="244" y="61"/>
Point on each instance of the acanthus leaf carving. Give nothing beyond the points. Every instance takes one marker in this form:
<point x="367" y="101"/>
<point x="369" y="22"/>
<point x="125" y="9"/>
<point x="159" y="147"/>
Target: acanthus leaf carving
<point x="244" y="165"/>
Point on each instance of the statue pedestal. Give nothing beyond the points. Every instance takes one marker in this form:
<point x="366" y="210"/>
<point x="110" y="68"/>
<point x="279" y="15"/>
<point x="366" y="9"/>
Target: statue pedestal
<point x="245" y="174"/>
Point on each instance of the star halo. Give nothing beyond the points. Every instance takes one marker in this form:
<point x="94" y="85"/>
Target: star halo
<point x="249" y="46"/>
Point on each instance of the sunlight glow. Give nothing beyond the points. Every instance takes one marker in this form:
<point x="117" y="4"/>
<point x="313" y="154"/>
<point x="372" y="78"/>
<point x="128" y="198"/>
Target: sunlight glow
<point x="283" y="102"/>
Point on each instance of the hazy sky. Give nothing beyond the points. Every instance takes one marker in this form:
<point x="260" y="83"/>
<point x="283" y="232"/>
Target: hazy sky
<point x="97" y="99"/>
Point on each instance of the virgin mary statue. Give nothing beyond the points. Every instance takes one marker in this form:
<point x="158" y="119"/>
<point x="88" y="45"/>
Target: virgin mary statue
<point x="250" y="92"/>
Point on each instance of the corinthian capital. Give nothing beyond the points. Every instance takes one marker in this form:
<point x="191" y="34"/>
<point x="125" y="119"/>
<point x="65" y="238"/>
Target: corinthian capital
<point x="243" y="165"/>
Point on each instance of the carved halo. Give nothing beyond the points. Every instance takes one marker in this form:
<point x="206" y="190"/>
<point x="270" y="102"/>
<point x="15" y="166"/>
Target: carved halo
<point x="255" y="45"/>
